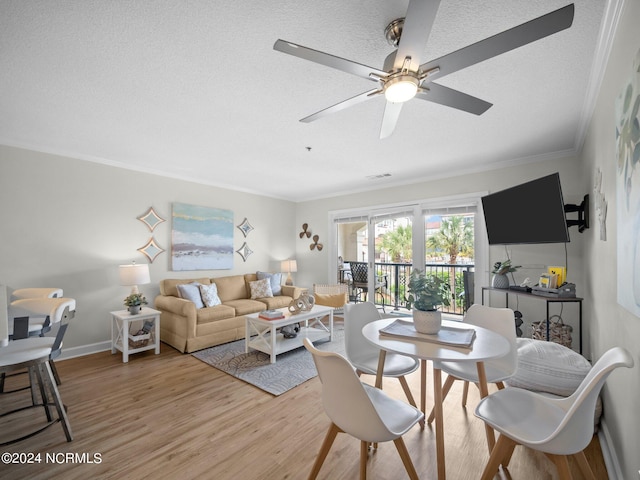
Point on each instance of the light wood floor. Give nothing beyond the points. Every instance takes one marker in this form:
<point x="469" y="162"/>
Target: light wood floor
<point x="173" y="416"/>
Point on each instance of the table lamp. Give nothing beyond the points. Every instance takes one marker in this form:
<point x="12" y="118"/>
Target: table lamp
<point x="289" y="266"/>
<point x="134" y="275"/>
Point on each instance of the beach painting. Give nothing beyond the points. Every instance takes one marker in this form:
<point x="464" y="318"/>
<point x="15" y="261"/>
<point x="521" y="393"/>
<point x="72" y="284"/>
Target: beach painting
<point x="628" y="191"/>
<point x="201" y="238"/>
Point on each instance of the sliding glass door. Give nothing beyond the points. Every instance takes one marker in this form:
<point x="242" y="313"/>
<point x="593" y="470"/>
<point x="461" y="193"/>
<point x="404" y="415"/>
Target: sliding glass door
<point x="393" y="234"/>
<point x="437" y="236"/>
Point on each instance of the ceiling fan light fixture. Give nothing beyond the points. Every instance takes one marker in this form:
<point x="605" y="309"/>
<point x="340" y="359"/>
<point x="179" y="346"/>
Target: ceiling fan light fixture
<point x="401" y="88"/>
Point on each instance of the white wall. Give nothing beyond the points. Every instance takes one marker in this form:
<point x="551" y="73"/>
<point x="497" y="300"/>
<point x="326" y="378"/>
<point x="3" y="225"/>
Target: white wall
<point x="610" y="323"/>
<point x="69" y="224"/>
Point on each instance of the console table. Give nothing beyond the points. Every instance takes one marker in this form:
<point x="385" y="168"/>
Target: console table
<point x="547" y="300"/>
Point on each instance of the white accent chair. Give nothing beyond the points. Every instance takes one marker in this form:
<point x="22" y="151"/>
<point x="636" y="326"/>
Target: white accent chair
<point x="360" y="410"/>
<point x="364" y="356"/>
<point x="499" y="320"/>
<point x="557" y="427"/>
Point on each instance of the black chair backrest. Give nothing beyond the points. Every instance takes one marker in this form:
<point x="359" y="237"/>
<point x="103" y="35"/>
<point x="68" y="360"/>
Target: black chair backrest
<point x="359" y="272"/>
<point x="468" y="281"/>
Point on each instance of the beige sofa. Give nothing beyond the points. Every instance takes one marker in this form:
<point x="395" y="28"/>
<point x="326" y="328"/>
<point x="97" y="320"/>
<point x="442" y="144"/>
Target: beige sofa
<point x="187" y="328"/>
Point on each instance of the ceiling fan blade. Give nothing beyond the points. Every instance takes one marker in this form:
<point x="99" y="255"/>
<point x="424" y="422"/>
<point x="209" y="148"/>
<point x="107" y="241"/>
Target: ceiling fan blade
<point x="342" y="105"/>
<point x="390" y="118"/>
<point x="511" y="39"/>
<point x="328" y="60"/>
<point x="453" y="98"/>
<point x="415" y="32"/>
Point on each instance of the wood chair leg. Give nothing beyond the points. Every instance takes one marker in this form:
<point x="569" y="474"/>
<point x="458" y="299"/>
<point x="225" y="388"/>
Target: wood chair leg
<point x="364" y="455"/>
<point x="324" y="450"/>
<point x="406" y="459"/>
<point x="583" y="464"/>
<point x="503" y="448"/>
<point x="36" y="378"/>
<point x="562" y="464"/>
<point x="465" y="392"/>
<point x="62" y="411"/>
<point x="55" y="372"/>
<point x="445" y="390"/>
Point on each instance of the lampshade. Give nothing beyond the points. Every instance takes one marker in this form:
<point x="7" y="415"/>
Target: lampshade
<point x="289" y="266"/>
<point x="134" y="275"/>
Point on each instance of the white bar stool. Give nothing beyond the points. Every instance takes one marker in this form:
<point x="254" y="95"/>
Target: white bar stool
<point x="33" y="354"/>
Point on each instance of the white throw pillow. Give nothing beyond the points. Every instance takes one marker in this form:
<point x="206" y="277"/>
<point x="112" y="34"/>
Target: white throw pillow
<point x="260" y="289"/>
<point x="275" y="279"/>
<point x="548" y="367"/>
<point x="209" y="295"/>
<point x="191" y="292"/>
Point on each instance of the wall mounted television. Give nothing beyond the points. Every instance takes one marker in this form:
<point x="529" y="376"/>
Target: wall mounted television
<point x="533" y="212"/>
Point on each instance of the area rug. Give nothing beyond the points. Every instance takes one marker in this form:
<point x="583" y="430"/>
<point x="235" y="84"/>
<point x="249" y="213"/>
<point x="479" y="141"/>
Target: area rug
<point x="290" y="370"/>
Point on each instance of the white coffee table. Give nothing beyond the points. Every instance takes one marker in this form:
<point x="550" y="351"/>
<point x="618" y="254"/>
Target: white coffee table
<point x="262" y="334"/>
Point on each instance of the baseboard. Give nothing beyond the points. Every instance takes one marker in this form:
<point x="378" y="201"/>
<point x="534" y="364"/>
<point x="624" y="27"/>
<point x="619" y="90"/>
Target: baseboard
<point x="74" y="352"/>
<point x="610" y="459"/>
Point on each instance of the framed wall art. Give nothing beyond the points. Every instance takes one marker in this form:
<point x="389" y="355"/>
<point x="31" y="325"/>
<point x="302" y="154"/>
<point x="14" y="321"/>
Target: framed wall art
<point x="151" y="219"/>
<point x="201" y="238"/>
<point x="628" y="190"/>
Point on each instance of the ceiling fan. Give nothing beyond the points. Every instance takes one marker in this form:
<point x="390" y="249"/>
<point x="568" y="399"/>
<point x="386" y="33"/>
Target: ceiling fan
<point x="403" y="77"/>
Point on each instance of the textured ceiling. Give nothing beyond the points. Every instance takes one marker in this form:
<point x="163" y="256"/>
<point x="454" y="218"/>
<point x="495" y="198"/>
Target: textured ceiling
<point x="193" y="89"/>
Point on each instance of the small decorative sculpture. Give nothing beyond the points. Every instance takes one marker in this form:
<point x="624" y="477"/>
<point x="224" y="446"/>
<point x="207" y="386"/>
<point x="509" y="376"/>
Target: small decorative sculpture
<point x="304" y="231"/>
<point x="303" y="303"/>
<point x="316" y="244"/>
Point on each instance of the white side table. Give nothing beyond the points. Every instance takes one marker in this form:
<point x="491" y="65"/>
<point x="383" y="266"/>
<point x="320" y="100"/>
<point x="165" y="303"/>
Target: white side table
<point x="123" y="329"/>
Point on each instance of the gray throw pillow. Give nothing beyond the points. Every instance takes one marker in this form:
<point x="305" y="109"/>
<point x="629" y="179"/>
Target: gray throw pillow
<point x="275" y="279"/>
<point x="191" y="292"/>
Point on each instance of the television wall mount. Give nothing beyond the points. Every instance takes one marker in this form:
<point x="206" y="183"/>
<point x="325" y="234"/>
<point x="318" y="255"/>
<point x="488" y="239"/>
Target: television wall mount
<point x="583" y="214"/>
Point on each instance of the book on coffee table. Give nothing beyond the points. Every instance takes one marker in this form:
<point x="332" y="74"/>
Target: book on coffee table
<point x="455" y="337"/>
<point x="271" y="315"/>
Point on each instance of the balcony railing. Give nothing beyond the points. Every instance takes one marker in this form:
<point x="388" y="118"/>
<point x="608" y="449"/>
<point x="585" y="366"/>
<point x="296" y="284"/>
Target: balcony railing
<point x="397" y="275"/>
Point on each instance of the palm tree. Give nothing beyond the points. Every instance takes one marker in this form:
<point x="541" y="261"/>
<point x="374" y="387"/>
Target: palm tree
<point x="397" y="243"/>
<point x="454" y="238"/>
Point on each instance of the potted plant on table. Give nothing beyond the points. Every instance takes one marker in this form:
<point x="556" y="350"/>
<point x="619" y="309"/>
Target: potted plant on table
<point x="135" y="302"/>
<point x="500" y="270"/>
<point x="426" y="294"/>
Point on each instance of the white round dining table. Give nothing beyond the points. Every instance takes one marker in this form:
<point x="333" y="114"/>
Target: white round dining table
<point x="486" y="346"/>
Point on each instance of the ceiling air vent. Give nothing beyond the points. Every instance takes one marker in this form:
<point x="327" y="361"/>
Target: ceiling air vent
<point x="375" y="177"/>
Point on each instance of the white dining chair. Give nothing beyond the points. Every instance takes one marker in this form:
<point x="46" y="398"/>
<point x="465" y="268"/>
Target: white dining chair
<point x="499" y="320"/>
<point x="364" y="356"/>
<point x="559" y="427"/>
<point x="360" y="410"/>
